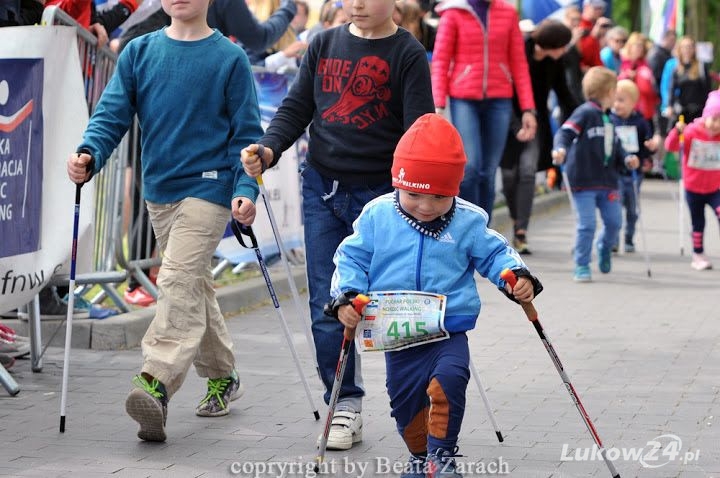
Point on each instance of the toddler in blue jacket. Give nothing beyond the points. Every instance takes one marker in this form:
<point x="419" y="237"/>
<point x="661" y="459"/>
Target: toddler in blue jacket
<point x="422" y="238"/>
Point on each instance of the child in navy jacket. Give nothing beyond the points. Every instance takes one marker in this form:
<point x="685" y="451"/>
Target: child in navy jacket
<point x="595" y="158"/>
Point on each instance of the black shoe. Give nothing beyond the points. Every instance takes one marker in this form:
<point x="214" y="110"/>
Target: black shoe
<point x="520" y="245"/>
<point x="53" y="308"/>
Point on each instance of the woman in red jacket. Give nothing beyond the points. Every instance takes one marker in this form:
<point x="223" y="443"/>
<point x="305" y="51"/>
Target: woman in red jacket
<point x="479" y="56"/>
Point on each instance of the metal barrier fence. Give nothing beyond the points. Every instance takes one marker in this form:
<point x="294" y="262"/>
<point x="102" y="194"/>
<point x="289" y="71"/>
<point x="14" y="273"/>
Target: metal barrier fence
<point x="123" y="237"/>
<point x="97" y="65"/>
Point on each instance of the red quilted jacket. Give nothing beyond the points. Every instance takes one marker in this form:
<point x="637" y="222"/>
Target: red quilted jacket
<point x="471" y="62"/>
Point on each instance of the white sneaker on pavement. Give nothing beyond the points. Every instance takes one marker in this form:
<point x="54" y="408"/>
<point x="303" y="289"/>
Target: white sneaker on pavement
<point x="345" y="431"/>
<point x="700" y="262"/>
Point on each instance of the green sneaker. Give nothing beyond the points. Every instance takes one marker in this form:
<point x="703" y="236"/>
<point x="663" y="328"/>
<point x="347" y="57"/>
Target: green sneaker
<point x="221" y="391"/>
<point x="147" y="405"/>
<point x="583" y="274"/>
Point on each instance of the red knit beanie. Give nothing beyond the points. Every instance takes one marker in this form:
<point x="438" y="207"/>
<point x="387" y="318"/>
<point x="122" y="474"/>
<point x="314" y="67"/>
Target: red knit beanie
<point x="429" y="158"/>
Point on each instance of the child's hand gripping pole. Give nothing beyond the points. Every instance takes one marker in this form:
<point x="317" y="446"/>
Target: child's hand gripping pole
<point x="358" y="303"/>
<point x="508" y="276"/>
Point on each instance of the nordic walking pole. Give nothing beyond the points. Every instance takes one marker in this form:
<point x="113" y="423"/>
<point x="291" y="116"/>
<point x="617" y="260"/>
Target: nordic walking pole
<point x="636" y="191"/>
<point x="480" y="387"/>
<point x="532" y="315"/>
<point x="283" y="255"/>
<point x="70" y="307"/>
<point x="681" y="209"/>
<point x="239" y="230"/>
<point x="566" y="180"/>
<point x="358" y="303"/>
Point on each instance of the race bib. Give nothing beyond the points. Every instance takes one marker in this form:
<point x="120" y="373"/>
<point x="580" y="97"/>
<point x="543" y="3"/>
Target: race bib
<point x="396" y="320"/>
<point x="704" y="155"/>
<point x="628" y="138"/>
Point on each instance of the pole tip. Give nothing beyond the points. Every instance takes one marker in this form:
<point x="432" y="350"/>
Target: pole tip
<point x="500" y="437"/>
<point x="317" y="415"/>
<point x="62" y="424"/>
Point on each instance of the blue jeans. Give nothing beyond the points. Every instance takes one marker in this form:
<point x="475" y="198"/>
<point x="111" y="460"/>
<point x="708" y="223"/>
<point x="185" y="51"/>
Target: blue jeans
<point x="608" y="203"/>
<point x="630" y="203"/>
<point x="329" y="210"/>
<point x="483" y="126"/>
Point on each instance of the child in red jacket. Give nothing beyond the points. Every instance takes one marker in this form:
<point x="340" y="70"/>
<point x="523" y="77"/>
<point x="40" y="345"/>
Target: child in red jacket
<point x="700" y="170"/>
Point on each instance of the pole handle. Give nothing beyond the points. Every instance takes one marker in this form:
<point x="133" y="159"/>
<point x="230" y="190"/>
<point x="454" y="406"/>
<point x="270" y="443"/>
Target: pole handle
<point x="358" y="303"/>
<point x="241" y="230"/>
<point x="509" y="276"/>
<point x="681" y="136"/>
<point x="261" y="154"/>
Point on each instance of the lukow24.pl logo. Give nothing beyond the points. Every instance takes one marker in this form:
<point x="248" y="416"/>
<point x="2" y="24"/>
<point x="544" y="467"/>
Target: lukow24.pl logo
<point x="657" y="452"/>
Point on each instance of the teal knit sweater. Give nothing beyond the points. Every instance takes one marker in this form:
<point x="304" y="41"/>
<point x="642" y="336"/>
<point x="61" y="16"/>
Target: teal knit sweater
<point x="197" y="108"/>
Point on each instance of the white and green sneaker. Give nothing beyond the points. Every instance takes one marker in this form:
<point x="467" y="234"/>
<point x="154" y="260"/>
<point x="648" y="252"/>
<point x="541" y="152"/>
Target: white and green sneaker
<point x="221" y="391"/>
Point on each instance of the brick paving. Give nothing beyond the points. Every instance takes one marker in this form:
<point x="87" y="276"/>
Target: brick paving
<point x="642" y="353"/>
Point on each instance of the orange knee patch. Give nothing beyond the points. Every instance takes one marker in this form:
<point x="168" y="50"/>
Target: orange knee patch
<point x="415" y="434"/>
<point x="439" y="410"/>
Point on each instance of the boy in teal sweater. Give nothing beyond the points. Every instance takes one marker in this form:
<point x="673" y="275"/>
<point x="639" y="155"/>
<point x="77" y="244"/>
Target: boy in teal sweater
<point x="193" y="93"/>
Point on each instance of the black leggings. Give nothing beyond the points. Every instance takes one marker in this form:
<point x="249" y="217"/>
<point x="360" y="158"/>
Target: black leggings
<point x="696" y="204"/>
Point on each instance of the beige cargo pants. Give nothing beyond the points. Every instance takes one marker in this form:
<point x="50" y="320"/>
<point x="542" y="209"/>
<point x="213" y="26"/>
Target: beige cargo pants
<point x="188" y="327"/>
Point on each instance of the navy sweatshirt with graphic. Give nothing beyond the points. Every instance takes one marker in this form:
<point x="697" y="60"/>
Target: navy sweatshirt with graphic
<point x="589" y="163"/>
<point x="359" y="96"/>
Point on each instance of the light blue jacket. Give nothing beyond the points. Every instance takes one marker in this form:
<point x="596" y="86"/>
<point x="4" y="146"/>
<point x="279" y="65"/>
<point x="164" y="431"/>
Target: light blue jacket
<point x="385" y="252"/>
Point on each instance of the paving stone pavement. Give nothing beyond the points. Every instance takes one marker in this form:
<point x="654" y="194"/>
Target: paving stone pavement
<point x="641" y="352"/>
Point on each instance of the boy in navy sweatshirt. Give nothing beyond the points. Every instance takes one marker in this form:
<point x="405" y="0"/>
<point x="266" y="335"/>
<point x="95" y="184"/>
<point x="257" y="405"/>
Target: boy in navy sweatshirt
<point x="194" y="95"/>
<point x="595" y="158"/>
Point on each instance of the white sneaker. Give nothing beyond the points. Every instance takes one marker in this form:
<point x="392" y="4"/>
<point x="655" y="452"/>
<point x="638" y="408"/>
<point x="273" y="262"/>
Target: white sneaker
<point x="345" y="431"/>
<point x="700" y="262"/>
